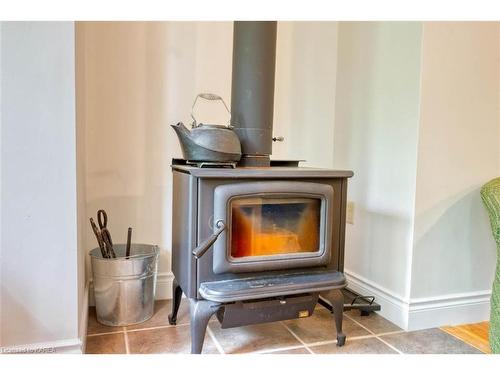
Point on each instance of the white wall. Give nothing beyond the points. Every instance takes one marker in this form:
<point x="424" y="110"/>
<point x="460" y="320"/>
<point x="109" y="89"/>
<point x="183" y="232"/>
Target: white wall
<point x="141" y="77"/>
<point x="376" y="128"/>
<point x="417" y="119"/>
<point x="38" y="245"/>
<point x="304" y="112"/>
<point x="459" y="151"/>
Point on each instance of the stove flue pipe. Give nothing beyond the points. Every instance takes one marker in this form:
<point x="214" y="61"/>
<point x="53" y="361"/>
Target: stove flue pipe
<point x="252" y="91"/>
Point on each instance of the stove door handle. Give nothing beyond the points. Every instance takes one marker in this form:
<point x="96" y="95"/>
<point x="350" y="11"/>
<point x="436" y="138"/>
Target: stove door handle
<point x="205" y="245"/>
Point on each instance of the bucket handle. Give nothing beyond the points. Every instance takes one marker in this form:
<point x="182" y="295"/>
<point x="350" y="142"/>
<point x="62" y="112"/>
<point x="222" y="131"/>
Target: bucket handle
<point x="209" y="96"/>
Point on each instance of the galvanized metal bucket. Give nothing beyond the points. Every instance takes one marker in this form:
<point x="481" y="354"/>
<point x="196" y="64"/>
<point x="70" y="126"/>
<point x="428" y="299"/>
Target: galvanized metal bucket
<point x="124" y="288"/>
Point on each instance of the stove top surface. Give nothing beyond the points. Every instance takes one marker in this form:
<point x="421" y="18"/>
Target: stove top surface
<point x="278" y="169"/>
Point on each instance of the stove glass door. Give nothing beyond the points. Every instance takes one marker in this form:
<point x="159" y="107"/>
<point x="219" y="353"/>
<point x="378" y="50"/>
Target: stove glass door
<point x="271" y="226"/>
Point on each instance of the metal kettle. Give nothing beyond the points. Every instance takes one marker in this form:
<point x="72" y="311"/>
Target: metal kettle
<point x="208" y="142"/>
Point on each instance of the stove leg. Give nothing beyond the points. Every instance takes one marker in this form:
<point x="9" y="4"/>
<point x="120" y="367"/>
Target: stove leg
<point x="336" y="299"/>
<point x="200" y="311"/>
<point x="176" y="303"/>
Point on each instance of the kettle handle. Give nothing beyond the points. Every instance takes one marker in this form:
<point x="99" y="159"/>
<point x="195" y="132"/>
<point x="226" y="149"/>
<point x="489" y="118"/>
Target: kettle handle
<point x="209" y="96"/>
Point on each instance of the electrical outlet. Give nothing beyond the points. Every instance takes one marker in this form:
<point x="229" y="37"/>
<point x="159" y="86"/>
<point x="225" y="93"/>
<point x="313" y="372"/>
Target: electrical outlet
<point x="350" y="212"/>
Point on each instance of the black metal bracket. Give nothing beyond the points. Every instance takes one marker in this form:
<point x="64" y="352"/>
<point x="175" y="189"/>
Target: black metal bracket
<point x="354" y="301"/>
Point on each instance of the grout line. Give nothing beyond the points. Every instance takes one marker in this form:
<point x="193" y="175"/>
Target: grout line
<point x="136" y="329"/>
<point x="156" y="327"/>
<point x="373" y="333"/>
<point x="276" y="350"/>
<point x="127" y="347"/>
<point x="359" y="324"/>
<point x="376" y="336"/>
<point x="318" y="343"/>
<point x="104" y="333"/>
<point x="389" y="333"/>
<point x="297" y="337"/>
<point x="352" y="319"/>
<point x="219" y="347"/>
<point x="389" y="345"/>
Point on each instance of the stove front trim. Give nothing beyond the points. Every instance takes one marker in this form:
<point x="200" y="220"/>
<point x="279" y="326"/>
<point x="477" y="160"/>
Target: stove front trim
<point x="223" y="195"/>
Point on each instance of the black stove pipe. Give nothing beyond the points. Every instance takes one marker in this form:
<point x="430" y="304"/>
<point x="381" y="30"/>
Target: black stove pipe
<point x="252" y="91"/>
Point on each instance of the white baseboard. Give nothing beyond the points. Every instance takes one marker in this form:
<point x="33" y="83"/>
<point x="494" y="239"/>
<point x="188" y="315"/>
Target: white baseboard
<point x="393" y="307"/>
<point x="451" y="309"/>
<point x="84" y="318"/>
<point x="422" y="313"/>
<point x="71" y="346"/>
<point x="163" y="287"/>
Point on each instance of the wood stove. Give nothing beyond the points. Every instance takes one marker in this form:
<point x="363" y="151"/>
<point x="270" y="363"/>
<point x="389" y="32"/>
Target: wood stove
<point x="255" y="245"/>
<point x="260" y="242"/>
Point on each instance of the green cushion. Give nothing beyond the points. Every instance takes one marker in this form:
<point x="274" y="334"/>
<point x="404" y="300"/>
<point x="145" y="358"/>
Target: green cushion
<point x="490" y="193"/>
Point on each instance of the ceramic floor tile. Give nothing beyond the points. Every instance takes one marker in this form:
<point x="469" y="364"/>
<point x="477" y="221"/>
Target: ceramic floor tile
<point x="113" y="343"/>
<point x="374" y="322"/>
<point x="93" y="326"/>
<point x="258" y="337"/>
<point x="321" y="327"/>
<point x="166" y="340"/>
<point x="361" y="346"/>
<point x="428" y="341"/>
<point x="160" y="315"/>
<point x="291" y="351"/>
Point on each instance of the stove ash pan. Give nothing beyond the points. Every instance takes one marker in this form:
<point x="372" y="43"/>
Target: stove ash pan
<point x="253" y="245"/>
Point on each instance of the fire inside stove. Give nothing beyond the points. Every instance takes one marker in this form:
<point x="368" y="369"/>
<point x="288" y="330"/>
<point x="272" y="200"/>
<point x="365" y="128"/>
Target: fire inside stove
<point x="274" y="226"/>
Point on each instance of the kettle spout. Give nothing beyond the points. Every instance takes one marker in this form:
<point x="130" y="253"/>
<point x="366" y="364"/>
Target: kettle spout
<point x="181" y="130"/>
<point x="183" y="133"/>
<point x="185" y="139"/>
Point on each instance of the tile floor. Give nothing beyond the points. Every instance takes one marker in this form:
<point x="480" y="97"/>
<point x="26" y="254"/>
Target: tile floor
<point x="313" y="335"/>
